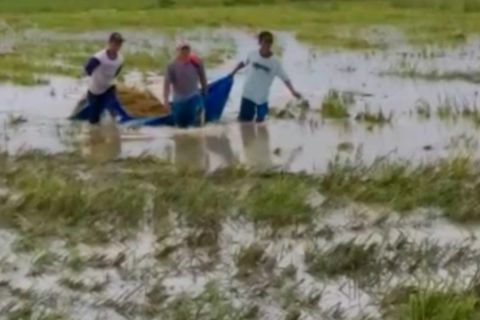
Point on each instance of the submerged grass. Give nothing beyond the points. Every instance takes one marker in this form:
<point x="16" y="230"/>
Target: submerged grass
<point x="374" y="118"/>
<point x="61" y="195"/>
<point x="335" y="105"/>
<point x="449" y="108"/>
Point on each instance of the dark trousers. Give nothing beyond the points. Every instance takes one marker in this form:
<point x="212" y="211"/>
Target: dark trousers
<point x="99" y="103"/>
<point x="250" y="111"/>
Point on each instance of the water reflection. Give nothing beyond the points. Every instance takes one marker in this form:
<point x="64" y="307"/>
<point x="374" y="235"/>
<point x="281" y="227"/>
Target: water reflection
<point x="221" y="146"/>
<point x="191" y="150"/>
<point x="103" y="143"/>
<point x="256" y="145"/>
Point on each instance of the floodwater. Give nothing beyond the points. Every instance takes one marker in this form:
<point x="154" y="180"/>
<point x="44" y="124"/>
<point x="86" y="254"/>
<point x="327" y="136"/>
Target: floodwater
<point x="301" y="144"/>
<point x="116" y="288"/>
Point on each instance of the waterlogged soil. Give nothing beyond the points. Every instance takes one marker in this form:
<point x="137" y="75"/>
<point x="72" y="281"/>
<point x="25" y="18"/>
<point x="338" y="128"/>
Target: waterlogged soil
<point x="282" y="273"/>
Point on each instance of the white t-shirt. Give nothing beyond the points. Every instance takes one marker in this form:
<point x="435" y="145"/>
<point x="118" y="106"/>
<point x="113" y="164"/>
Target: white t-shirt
<point x="260" y="75"/>
<point x="103" y="77"/>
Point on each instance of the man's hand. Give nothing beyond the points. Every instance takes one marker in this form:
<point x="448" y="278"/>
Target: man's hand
<point x="297" y="94"/>
<point x="239" y="67"/>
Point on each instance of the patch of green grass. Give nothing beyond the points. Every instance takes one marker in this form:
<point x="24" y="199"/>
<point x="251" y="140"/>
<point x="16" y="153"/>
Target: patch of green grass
<point x="64" y="196"/>
<point x="63" y="204"/>
<point x="335" y="105"/>
<point x="318" y="22"/>
<point x="448" y="184"/>
<point x="211" y="304"/>
<point x="349" y="259"/>
<point x="281" y="201"/>
<point x="418" y="304"/>
<point x="249" y="258"/>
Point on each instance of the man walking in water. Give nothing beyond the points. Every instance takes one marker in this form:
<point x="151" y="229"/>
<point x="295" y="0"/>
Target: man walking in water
<point x="185" y="75"/>
<point x="263" y="67"/>
<point x="103" y="68"/>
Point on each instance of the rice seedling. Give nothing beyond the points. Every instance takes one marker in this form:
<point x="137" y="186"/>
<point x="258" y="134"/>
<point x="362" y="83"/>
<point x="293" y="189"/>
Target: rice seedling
<point x="351" y="259"/>
<point x="75" y="261"/>
<point x="404" y="186"/>
<point x="443" y="304"/>
<point x="211" y="304"/>
<point x="335" y="105"/>
<point x="281" y="201"/>
<point x="249" y="259"/>
<point x="423" y="109"/>
<point x="345" y="146"/>
<point x="374" y="118"/>
<point x="22" y="312"/>
<point x="59" y="203"/>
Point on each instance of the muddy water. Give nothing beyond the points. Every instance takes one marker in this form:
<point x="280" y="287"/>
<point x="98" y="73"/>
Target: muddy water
<point x="294" y="144"/>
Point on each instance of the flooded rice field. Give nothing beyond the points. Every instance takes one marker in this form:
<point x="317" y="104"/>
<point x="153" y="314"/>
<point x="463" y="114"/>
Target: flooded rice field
<point x="387" y="81"/>
<point x="224" y="245"/>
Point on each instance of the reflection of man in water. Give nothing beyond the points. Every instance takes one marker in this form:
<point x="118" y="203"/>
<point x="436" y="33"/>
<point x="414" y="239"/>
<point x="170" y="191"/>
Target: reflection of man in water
<point x="220" y="145"/>
<point x="256" y="144"/>
<point x="190" y="151"/>
<point x="104" y="143"/>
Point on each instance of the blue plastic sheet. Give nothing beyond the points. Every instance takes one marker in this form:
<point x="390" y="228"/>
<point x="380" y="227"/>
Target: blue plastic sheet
<point x="214" y="105"/>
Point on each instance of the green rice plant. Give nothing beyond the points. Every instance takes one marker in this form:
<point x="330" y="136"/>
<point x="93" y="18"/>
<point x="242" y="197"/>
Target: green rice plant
<point x="423" y="109"/>
<point x="211" y="304"/>
<point x="446" y="184"/>
<point x="471" y="6"/>
<point x="420" y="304"/>
<point x="59" y="203"/>
<point x="249" y="258"/>
<point x="280" y="201"/>
<point x="432" y="4"/>
<point x="374" y="118"/>
<point x="351" y="259"/>
<point x="335" y="105"/>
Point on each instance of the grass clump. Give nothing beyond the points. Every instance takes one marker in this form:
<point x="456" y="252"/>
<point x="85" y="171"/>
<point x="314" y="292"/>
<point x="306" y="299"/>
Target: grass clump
<point x="349" y="259"/>
<point x="211" y="304"/>
<point x="249" y="258"/>
<point x="335" y="105"/>
<point x="60" y="203"/>
<point x="374" y="118"/>
<point x="423" y="109"/>
<point x="280" y="201"/>
<point x="448" y="184"/>
<point x="420" y="304"/>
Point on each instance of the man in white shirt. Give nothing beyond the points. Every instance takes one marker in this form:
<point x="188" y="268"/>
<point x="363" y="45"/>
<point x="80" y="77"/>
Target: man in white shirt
<point x="103" y="68"/>
<point x="263" y="68"/>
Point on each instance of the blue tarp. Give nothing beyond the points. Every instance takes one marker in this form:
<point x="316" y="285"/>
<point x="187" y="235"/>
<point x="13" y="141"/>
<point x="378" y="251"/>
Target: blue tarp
<point x="214" y="104"/>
